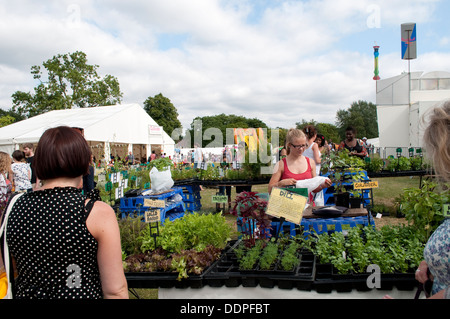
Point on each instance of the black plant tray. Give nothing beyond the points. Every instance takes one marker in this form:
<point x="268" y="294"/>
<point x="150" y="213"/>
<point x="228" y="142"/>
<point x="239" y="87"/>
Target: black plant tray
<point x="328" y="279"/>
<point x="226" y="273"/>
<point x="162" y="279"/>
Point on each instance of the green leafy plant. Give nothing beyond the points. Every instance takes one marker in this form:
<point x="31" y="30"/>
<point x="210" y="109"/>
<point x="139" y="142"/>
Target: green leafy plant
<point x="392" y="248"/>
<point x="422" y="207"/>
<point x="192" y="231"/>
<point x="249" y="260"/>
<point x="375" y="165"/>
<point x="161" y="164"/>
<point x="269" y="256"/>
<point x="290" y="258"/>
<point x="399" y="164"/>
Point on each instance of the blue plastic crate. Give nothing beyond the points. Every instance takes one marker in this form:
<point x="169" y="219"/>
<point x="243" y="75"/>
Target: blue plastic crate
<point x="193" y="206"/>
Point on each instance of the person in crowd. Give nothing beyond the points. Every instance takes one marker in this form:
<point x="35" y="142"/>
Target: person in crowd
<point x="88" y="180"/>
<point x="313" y="153"/>
<point x="436" y="264"/>
<point x="322" y="144"/>
<point x="28" y="149"/>
<point x="352" y="144"/>
<point x="282" y="152"/>
<point x="130" y="158"/>
<point x="5" y="180"/>
<point x="21" y="172"/>
<point x="62" y="244"/>
<point x="295" y="166"/>
<point x="312" y="150"/>
<point x="198" y="155"/>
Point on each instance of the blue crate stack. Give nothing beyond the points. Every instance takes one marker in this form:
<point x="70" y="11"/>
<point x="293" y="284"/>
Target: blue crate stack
<point x="134" y="206"/>
<point x="321" y="225"/>
<point x="191" y="197"/>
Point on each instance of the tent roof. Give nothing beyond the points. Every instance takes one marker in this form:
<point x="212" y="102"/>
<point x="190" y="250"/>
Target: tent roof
<point x="128" y="123"/>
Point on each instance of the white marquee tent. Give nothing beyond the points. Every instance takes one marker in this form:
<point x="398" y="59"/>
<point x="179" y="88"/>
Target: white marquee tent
<point x="125" y="124"/>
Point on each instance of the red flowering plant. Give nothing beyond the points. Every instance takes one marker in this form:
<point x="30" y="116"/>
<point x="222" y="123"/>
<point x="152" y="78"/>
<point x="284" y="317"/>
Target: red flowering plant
<point x="255" y="222"/>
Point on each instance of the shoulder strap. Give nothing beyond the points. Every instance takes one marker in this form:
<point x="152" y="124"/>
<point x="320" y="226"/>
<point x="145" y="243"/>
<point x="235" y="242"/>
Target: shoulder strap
<point x="88" y="208"/>
<point x="9" y="268"/>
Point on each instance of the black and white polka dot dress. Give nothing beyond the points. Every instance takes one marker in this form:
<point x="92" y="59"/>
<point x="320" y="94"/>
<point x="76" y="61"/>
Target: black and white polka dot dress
<point x="56" y="256"/>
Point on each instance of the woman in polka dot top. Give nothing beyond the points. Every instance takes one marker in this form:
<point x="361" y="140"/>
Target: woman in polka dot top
<point x="64" y="245"/>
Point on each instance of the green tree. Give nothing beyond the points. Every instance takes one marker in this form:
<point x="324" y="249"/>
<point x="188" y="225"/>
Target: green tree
<point x="362" y="116"/>
<point x="164" y="113"/>
<point x="8" y="117"/>
<point x="70" y="82"/>
<point x="222" y="122"/>
<point x="330" y="131"/>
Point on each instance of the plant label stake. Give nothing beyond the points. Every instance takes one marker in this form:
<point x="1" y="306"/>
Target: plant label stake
<point x="282" y="220"/>
<point x="152" y="217"/>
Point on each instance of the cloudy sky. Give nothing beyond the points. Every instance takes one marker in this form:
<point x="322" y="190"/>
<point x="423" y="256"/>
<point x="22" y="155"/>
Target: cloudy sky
<point x="277" y="60"/>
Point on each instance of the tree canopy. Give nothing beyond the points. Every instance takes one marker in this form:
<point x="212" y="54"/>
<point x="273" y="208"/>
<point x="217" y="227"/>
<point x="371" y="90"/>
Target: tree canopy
<point x="68" y="82"/>
<point x="221" y="122"/>
<point x="161" y="109"/>
<point x="329" y="131"/>
<point x="362" y="116"/>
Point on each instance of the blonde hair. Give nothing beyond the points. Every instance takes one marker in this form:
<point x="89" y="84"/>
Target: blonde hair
<point x="292" y="134"/>
<point x="5" y="162"/>
<point x="436" y="139"/>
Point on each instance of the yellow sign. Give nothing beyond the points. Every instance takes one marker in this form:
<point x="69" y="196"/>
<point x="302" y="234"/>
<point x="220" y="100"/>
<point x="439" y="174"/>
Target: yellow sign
<point x="286" y="204"/>
<point x="365" y="185"/>
<point x="152" y="216"/>
<point x="154" y="203"/>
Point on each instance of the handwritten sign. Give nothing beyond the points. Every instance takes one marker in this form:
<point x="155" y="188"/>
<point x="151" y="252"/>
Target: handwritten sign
<point x="157" y="203"/>
<point x="219" y="198"/>
<point x="286" y="204"/>
<point x="152" y="216"/>
<point x="365" y="185"/>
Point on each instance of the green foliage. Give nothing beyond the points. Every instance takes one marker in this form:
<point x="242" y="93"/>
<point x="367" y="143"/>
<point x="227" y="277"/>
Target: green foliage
<point x="375" y="165"/>
<point x="330" y="131"/>
<point x="399" y="164"/>
<point x="392" y="248"/>
<point x="269" y="256"/>
<point x="290" y="257"/>
<point x="422" y="207"/>
<point x="362" y="115"/>
<point x="341" y="165"/>
<point x="192" y="231"/>
<point x="71" y="82"/>
<point x="164" y="113"/>
<point x="222" y="122"/>
<point x="187" y="245"/>
<point x="161" y="164"/>
<point x="130" y="231"/>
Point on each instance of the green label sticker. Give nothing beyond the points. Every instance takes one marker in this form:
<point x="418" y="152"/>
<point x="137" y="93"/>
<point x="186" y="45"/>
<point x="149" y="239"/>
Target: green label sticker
<point x="219" y="198"/>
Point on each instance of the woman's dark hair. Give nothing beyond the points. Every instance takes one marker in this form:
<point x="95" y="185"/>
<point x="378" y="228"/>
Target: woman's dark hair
<point x="61" y="152"/>
<point x="309" y="131"/>
<point x="18" y="155"/>
<point x="351" y="128"/>
<point x="322" y="138"/>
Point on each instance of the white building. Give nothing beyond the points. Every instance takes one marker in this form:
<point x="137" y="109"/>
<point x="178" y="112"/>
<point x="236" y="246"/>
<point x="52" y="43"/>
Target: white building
<point x="401" y="102"/>
<point x="110" y="130"/>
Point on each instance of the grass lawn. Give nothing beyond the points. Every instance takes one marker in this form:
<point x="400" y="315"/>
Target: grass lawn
<point x="384" y="196"/>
